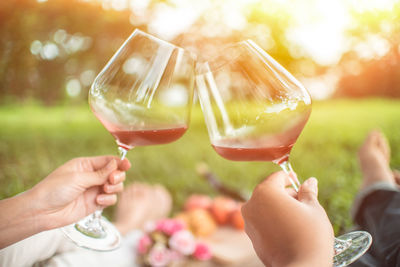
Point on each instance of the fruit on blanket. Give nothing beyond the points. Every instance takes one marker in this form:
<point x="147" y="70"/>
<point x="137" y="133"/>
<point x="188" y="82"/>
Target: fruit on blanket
<point x="236" y="218"/>
<point x="221" y="209"/>
<point x="198" y="221"/>
<point x="198" y="202"/>
<point x="201" y="222"/>
<point x="202" y="214"/>
<point x="184" y="218"/>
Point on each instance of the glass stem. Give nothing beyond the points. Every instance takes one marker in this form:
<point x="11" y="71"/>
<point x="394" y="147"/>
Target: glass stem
<point x="122" y="152"/>
<point x="97" y="215"/>
<point x="287" y="168"/>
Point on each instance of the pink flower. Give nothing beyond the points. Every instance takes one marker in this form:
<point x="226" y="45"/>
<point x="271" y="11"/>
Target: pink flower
<point x="183" y="242"/>
<point x="158" y="256"/>
<point x="144" y="244"/>
<point x="169" y="226"/>
<point x="202" y="252"/>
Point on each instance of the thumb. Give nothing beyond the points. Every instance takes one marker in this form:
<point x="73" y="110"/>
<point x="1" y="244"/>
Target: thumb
<point x="100" y="176"/>
<point x="308" y="191"/>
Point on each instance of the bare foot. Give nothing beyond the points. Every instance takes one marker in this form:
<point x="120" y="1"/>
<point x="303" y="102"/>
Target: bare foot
<point x="140" y="203"/>
<point x="374" y="156"/>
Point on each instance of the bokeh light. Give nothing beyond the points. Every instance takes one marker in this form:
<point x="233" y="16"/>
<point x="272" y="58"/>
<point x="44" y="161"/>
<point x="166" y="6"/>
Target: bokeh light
<point x="324" y="44"/>
<point x="73" y="87"/>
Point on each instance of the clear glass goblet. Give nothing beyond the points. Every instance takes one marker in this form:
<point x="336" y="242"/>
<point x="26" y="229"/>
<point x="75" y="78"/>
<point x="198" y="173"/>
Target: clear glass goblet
<point x="143" y="97"/>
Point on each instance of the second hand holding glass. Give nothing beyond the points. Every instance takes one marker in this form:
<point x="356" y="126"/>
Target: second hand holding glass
<point x="143" y="97"/>
<point x="254" y="111"/>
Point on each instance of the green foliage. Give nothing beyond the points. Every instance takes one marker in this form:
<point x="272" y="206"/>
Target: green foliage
<point x="35" y="140"/>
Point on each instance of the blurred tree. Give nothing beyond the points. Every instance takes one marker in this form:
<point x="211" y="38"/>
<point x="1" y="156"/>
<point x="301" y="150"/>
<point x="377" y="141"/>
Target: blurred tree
<point x="51" y="49"/>
<point x="43" y="45"/>
<point x="372" y="67"/>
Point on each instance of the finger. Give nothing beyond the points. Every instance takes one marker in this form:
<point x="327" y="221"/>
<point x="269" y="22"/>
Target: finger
<point x="100" y="162"/>
<point x="291" y="192"/>
<point x="106" y="199"/>
<point x="117" y="177"/>
<point x="279" y="179"/>
<point x="113" y="188"/>
<point x="100" y="176"/>
<point x="308" y="191"/>
<point x="124" y="165"/>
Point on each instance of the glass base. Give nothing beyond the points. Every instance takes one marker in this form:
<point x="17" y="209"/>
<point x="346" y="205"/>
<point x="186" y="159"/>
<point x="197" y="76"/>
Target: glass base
<point x="106" y="240"/>
<point x="354" y="246"/>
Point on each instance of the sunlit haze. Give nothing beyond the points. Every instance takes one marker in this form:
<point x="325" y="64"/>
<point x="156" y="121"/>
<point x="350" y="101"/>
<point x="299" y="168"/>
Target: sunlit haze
<point x="316" y="30"/>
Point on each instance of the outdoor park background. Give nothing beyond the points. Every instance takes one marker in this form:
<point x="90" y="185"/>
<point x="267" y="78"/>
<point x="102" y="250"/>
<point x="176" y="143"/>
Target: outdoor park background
<point x="346" y="53"/>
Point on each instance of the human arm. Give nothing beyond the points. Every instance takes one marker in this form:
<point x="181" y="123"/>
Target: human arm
<point x="71" y="192"/>
<point x="288" y="229"/>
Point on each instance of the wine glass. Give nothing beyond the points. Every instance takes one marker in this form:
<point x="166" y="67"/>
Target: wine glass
<point x="255" y="110"/>
<point x="143" y="97"/>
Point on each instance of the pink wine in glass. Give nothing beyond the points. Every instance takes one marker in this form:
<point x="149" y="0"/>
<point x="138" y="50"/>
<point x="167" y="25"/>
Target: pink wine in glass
<point x="269" y="147"/>
<point x="128" y="139"/>
<point x="280" y="153"/>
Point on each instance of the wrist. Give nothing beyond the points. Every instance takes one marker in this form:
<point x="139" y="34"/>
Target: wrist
<point x="35" y="213"/>
<point x="19" y="219"/>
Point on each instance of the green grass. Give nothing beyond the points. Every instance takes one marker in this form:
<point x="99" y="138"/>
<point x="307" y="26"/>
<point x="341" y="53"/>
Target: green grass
<point x="35" y="140"/>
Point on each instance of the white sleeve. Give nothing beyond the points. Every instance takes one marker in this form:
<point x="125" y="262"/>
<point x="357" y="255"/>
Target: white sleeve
<point x="33" y="249"/>
<point x="80" y="257"/>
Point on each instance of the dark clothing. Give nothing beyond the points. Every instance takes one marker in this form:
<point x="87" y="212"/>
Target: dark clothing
<point x="379" y="214"/>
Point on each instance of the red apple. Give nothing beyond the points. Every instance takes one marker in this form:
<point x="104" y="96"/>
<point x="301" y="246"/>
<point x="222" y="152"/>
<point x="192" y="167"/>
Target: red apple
<point x="198" y="202"/>
<point x="221" y="209"/>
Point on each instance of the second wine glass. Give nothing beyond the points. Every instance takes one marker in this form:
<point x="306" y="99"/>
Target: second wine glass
<point x="143" y="97"/>
<point x="255" y="110"/>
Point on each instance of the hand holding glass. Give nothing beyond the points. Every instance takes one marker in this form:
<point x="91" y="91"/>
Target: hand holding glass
<point x="254" y="111"/>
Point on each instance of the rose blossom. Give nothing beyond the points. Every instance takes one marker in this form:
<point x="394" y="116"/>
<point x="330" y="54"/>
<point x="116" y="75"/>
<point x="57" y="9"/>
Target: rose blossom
<point x="158" y="256"/>
<point x="144" y="244"/>
<point x="169" y="226"/>
<point x="202" y="252"/>
<point x="183" y="242"/>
